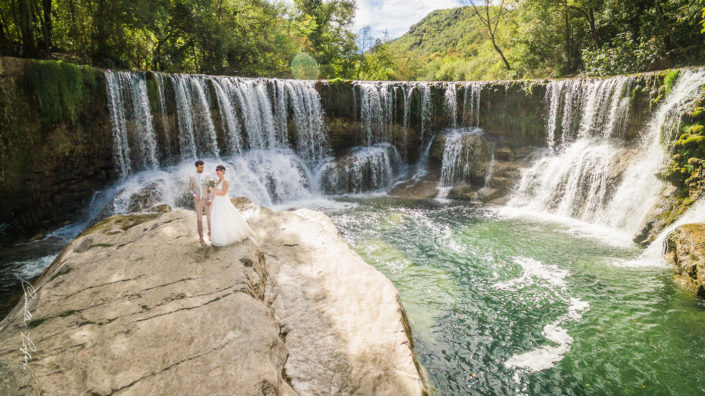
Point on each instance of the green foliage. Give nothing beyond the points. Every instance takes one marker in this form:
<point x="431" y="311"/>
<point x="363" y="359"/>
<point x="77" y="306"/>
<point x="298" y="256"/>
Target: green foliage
<point x="58" y="89"/>
<point x="553" y="38"/>
<point x="241" y="37"/>
<point x="623" y="55"/>
<point x="539" y="38"/>
<point x="669" y="80"/>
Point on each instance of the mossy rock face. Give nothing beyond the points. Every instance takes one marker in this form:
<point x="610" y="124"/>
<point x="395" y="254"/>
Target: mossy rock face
<point x="669" y="80"/>
<point x="55" y="143"/>
<point x="58" y="89"/>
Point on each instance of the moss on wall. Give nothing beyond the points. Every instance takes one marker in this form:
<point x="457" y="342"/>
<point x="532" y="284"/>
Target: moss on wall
<point x="55" y="143"/>
<point x="58" y="89"/>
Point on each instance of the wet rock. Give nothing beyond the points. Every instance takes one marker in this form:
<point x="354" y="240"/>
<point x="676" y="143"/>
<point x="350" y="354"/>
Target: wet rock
<point x="685" y="250"/>
<point x="487" y="194"/>
<point x="463" y="191"/>
<point x="504" y="154"/>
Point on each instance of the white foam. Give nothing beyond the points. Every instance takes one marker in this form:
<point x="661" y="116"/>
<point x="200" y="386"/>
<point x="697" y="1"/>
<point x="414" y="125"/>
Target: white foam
<point x="29" y="269"/>
<point x="604" y="234"/>
<point x="652" y="256"/>
<point x="534" y="269"/>
<point x="545" y="357"/>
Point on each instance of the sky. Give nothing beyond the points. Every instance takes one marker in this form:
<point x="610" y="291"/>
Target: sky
<point x="396" y="16"/>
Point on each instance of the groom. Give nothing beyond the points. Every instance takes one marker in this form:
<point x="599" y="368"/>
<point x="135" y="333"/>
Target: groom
<point x="198" y="188"/>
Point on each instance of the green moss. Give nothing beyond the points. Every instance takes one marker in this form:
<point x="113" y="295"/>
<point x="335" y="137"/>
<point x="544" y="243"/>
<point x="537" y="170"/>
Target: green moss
<point x="669" y="80"/>
<point x="58" y="89"/>
<point x="698" y="112"/>
<point x="689" y="141"/>
<point x="67" y="313"/>
<point x="695" y="129"/>
<point x="339" y="81"/>
<point x="34" y="323"/>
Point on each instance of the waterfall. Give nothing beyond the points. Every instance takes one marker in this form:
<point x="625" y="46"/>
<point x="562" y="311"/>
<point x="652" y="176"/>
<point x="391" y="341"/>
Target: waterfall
<point x="407" y="92"/>
<point x="640" y="187"/>
<point x="134" y="140"/>
<point x="425" y="107"/>
<point x="490" y="170"/>
<point x="182" y="97"/>
<point x="451" y="103"/>
<point x="471" y="103"/>
<point x="228" y="116"/>
<point x="162" y="110"/>
<point x="242" y="123"/>
<point x="455" y="157"/>
<point x="281" y="111"/>
<point x="266" y="177"/>
<point x="366" y="168"/>
<point x="121" y="150"/>
<point x="377" y="102"/>
<point x="311" y="142"/>
<point x="591" y="177"/>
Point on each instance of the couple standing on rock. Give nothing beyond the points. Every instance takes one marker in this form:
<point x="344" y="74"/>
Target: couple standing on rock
<point x="210" y="197"/>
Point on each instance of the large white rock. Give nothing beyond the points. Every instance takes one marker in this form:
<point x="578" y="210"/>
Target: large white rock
<point x="136" y="306"/>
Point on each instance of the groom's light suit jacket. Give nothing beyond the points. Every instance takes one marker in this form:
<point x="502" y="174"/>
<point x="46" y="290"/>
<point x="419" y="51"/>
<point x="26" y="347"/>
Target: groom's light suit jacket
<point x="198" y="190"/>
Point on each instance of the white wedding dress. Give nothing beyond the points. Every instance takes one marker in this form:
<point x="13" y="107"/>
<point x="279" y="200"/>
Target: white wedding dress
<point x="227" y="224"/>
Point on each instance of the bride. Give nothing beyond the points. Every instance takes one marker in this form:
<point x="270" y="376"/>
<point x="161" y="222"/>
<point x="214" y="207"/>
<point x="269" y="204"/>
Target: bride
<point x="227" y="225"/>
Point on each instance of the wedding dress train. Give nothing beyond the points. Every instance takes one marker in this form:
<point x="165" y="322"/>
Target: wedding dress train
<point x="227" y="224"/>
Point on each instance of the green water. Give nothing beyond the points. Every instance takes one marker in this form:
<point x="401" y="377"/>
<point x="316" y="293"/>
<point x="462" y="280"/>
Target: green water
<point x="480" y="289"/>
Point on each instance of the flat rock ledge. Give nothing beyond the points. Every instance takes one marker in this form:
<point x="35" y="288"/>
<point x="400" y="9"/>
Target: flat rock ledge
<point x="135" y="305"/>
<point x="685" y="250"/>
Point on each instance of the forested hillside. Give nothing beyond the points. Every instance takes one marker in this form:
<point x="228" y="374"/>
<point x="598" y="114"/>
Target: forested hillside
<point x="550" y="38"/>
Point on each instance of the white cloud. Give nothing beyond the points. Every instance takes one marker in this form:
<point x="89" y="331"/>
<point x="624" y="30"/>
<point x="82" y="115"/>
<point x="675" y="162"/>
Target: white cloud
<point x="396" y="16"/>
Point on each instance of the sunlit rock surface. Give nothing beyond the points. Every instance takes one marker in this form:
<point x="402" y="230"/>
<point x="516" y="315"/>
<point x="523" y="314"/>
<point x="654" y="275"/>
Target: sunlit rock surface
<point x="135" y="305"/>
<point x="685" y="250"/>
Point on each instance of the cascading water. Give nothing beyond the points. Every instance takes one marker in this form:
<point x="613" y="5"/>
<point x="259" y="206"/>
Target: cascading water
<point x="182" y="97"/>
<point x="134" y="140"/>
<point x="162" y="108"/>
<point x="451" y="104"/>
<point x="376" y="112"/>
<point x="425" y="106"/>
<point x="471" y="103"/>
<point x="407" y="92"/>
<point x="253" y="126"/>
<point x="228" y="117"/>
<point x="592" y="178"/>
<point x="311" y="142"/>
<point x="364" y="169"/>
<point x="456" y="155"/>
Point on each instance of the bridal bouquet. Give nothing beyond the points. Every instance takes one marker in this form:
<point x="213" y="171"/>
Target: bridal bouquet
<point x="209" y="183"/>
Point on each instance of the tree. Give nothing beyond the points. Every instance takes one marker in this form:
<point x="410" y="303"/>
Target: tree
<point x="491" y="26"/>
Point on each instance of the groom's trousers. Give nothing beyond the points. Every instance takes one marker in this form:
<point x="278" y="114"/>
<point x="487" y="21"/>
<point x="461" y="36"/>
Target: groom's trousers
<point x="201" y="209"/>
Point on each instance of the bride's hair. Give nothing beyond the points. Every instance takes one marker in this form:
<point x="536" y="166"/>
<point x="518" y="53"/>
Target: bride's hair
<point x="220" y="168"/>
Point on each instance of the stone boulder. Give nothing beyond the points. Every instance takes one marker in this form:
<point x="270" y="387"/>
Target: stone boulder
<point x="136" y="305"/>
<point x="685" y="250"/>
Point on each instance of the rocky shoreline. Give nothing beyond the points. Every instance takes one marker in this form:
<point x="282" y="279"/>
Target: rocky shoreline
<point x="685" y="250"/>
<point x="135" y="305"/>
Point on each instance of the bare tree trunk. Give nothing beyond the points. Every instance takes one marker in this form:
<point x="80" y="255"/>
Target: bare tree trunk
<point x="47" y="25"/>
<point x="499" y="51"/>
<point x="487" y="21"/>
<point x="593" y="29"/>
<point x="28" y="48"/>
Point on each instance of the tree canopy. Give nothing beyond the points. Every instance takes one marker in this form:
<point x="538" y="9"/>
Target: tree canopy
<point x="538" y="38"/>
